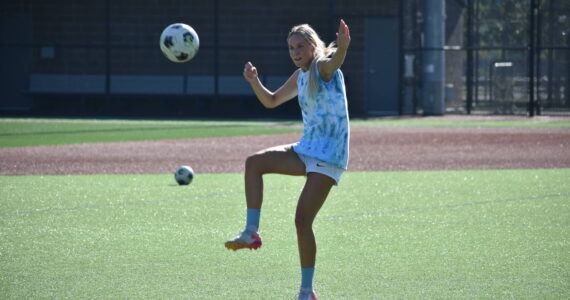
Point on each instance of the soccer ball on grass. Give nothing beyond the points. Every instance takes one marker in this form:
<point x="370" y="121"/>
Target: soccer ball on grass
<point x="184" y="175"/>
<point x="179" y="42"/>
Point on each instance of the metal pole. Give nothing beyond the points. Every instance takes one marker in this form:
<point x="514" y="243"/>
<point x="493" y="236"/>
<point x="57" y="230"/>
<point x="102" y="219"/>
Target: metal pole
<point x="476" y="52"/>
<point x="531" y="57"/>
<point x="434" y="59"/>
<point x="469" y="75"/>
<point x="538" y="69"/>
<point x="108" y="48"/>
<point x="401" y="57"/>
<point x="216" y="50"/>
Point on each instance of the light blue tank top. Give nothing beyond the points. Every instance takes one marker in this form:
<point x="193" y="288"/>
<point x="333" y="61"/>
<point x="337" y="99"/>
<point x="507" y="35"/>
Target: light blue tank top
<point x="325" y="118"/>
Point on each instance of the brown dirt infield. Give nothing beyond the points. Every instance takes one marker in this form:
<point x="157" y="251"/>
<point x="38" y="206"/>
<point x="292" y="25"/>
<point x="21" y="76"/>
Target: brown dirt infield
<point x="372" y="149"/>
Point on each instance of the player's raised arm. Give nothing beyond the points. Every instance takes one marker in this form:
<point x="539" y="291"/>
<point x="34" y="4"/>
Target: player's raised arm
<point x="268" y="98"/>
<point x="328" y="67"/>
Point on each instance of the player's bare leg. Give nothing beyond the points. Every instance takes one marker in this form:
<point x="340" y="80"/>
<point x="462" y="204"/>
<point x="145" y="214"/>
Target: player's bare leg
<point x="275" y="160"/>
<point x="311" y="200"/>
<point x="279" y="160"/>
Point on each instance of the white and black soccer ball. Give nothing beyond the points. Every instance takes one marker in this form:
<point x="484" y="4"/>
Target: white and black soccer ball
<point x="179" y="42"/>
<point x="184" y="175"/>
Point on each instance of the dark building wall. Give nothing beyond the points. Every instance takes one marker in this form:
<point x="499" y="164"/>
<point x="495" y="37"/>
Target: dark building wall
<point x="73" y="33"/>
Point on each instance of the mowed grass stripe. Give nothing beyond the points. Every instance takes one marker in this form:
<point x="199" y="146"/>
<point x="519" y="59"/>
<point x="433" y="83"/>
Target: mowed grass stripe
<point x="467" y="122"/>
<point x="18" y="133"/>
<point x="34" y="132"/>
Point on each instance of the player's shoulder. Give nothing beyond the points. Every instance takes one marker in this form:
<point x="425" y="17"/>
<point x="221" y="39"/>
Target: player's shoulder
<point x="326" y="73"/>
<point x="295" y="74"/>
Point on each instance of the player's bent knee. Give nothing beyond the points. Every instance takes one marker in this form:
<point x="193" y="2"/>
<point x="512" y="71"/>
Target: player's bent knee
<point x="252" y="163"/>
<point x="302" y="223"/>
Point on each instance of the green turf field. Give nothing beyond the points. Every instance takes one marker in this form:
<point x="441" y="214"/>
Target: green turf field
<point x="405" y="235"/>
<point x="35" y="132"/>
<point x="443" y="122"/>
<point x="398" y="235"/>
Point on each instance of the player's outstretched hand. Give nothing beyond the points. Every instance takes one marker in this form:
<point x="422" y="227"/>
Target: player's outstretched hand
<point x="249" y="72"/>
<point x="343" y="35"/>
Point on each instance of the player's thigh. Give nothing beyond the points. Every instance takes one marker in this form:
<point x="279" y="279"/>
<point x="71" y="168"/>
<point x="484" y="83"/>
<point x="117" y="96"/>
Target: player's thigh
<point x="280" y="160"/>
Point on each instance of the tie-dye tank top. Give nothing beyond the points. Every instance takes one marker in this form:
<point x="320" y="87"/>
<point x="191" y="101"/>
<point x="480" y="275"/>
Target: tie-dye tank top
<point x="325" y="118"/>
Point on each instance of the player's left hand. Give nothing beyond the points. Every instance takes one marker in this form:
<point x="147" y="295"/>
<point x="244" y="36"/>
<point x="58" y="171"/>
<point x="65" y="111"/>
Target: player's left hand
<point x="343" y="35"/>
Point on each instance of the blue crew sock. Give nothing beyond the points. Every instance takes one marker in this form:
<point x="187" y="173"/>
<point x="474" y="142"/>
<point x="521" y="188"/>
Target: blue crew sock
<point x="307" y="275"/>
<point x="252" y="220"/>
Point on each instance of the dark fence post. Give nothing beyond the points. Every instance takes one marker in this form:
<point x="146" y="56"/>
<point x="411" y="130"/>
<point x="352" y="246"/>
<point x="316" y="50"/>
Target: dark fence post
<point x="216" y="49"/>
<point x="531" y="56"/>
<point x="108" y="49"/>
<point x="469" y="75"/>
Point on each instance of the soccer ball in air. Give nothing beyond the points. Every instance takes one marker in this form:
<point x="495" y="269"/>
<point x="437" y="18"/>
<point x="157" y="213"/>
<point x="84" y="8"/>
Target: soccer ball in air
<point x="179" y="42"/>
<point x="184" y="175"/>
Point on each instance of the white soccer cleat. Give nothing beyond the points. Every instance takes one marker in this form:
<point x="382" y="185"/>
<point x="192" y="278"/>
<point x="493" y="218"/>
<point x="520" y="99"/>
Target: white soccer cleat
<point x="246" y="239"/>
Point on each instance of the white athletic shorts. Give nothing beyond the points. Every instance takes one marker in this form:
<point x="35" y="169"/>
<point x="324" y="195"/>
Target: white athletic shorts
<point x="319" y="166"/>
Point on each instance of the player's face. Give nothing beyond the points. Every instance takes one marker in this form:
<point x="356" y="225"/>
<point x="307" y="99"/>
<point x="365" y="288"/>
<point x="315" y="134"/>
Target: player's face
<point x="301" y="51"/>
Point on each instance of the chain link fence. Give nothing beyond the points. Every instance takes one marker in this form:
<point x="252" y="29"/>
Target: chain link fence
<point x="501" y="56"/>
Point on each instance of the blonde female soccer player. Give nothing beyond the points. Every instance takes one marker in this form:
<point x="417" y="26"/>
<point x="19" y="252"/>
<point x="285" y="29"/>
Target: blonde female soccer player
<point x="322" y="153"/>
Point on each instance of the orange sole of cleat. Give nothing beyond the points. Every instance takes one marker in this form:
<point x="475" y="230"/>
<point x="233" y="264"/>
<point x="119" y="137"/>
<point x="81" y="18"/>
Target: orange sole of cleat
<point x="237" y="246"/>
